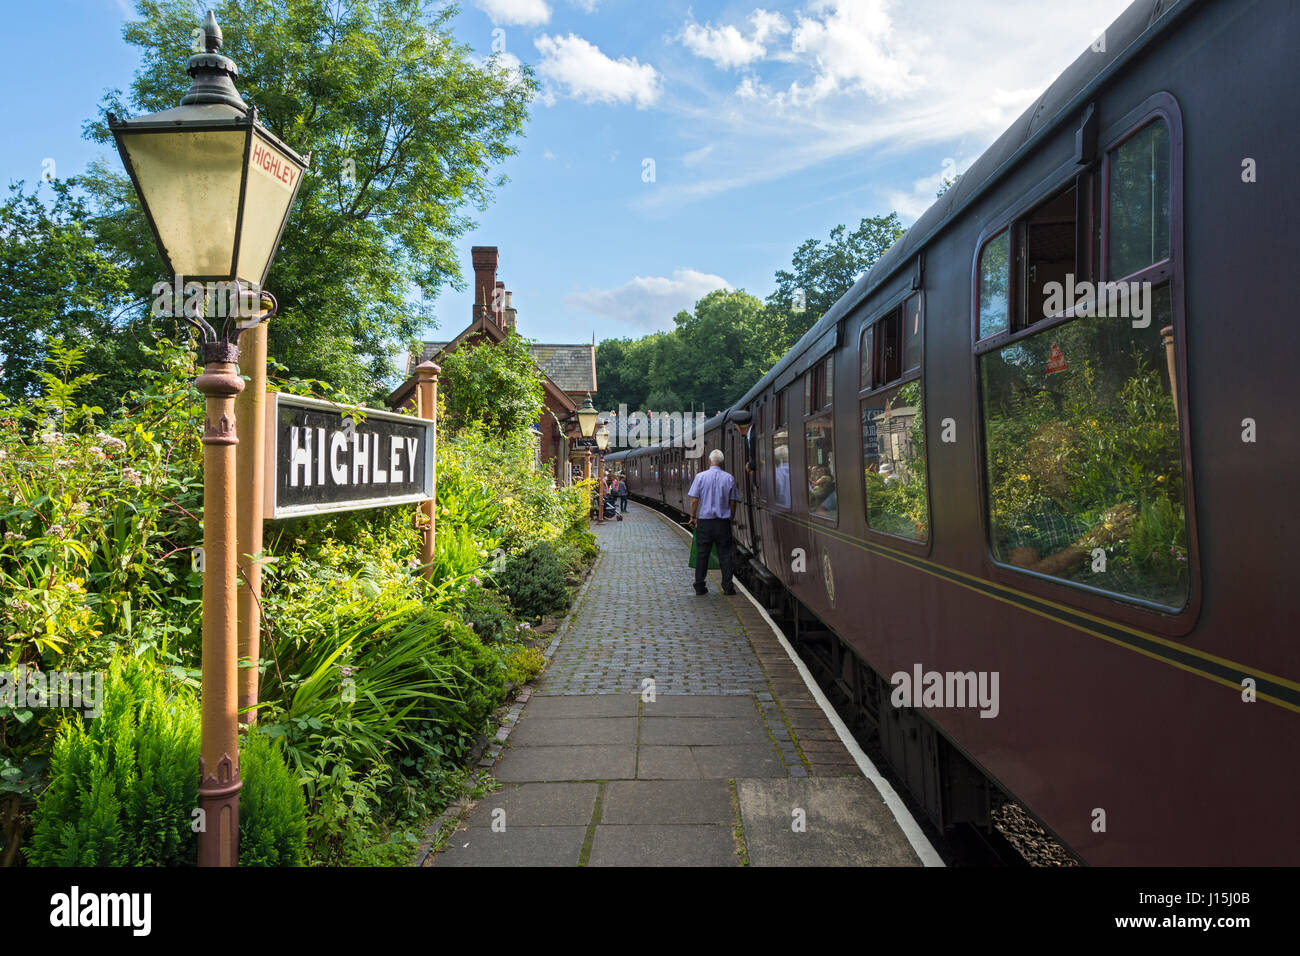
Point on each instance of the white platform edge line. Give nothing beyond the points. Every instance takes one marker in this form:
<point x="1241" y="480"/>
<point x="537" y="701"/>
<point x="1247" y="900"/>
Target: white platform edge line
<point x="921" y="844"/>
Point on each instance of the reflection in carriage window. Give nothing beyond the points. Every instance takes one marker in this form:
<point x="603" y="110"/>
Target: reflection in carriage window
<point x="823" y="498"/>
<point x="1084" y="456"/>
<point x="781" y="454"/>
<point x="893" y="458"/>
<point x="1139" y="201"/>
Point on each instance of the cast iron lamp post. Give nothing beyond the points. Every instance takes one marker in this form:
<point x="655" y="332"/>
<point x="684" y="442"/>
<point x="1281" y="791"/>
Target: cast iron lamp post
<point x="217" y="188"/>
<point x="602" y="443"/>
<point x="587" y="416"/>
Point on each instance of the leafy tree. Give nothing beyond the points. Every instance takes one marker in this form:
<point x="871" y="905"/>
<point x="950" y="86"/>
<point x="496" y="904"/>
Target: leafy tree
<point x="403" y="126"/>
<point x="57" y="281"/>
<point x="726" y="345"/>
<point x="822" y="272"/>
<point x="496" y="385"/>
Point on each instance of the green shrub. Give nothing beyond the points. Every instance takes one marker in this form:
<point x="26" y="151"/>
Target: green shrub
<point x="535" y="582"/>
<point x="124" y="785"/>
<point x="486" y="612"/>
<point x="272" y="811"/>
<point x="523" y="664"/>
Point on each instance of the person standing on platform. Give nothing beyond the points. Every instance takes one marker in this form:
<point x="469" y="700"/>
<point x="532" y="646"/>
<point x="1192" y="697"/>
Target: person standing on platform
<point x="711" y="494"/>
<point x="622" y="492"/>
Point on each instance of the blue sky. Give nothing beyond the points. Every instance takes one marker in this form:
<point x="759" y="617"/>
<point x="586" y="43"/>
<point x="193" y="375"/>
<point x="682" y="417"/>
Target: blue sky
<point x="767" y="123"/>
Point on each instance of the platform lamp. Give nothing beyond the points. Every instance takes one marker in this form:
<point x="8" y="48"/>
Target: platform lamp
<point x="587" y="416"/>
<point x="602" y="443"/>
<point x="216" y="188"/>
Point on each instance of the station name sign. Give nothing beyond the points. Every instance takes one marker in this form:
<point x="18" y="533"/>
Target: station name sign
<point x="325" y="457"/>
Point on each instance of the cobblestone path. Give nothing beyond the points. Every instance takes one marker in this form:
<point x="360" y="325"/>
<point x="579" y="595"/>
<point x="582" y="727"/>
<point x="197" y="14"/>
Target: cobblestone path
<point x="670" y="729"/>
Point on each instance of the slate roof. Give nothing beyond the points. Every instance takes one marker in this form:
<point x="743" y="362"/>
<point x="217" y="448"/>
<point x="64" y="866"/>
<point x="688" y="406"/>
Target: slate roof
<point x="571" y="367"/>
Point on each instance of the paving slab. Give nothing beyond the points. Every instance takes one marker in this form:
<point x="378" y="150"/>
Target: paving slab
<point x="578" y="706"/>
<point x="537" y="805"/>
<point x="738" y="760"/>
<point x="685" y="705"/>
<point x="666" y="763"/>
<point x="677" y="802"/>
<point x="534" y="731"/>
<point x="516" y="846"/>
<point x="664" y="846"/>
<point x="566" y="763"/>
<point x="846" y="823"/>
<point x="657" y="731"/>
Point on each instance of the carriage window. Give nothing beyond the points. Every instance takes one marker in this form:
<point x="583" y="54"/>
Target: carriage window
<point x="867" y="358"/>
<point x="1049" y="267"/>
<point x="1139" y="201"/>
<point x="912" y="333"/>
<point x="823" y="501"/>
<point x="818" y="386"/>
<point x="1083" y="455"/>
<point x="760" y="450"/>
<point x="995" y="285"/>
<point x="893" y="458"/>
<point x="781" y="452"/>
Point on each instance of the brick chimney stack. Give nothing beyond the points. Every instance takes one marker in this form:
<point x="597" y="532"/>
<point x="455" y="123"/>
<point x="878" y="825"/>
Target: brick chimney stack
<point x="485" y="278"/>
<point x="510" y="314"/>
<point x="499" y="304"/>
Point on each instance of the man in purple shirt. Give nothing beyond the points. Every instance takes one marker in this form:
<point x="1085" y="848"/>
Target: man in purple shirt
<point x="711" y="494"/>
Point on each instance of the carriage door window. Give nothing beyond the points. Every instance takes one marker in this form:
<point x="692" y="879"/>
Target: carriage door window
<point x="781" y="451"/>
<point x="819" y="444"/>
<point x="893" y="426"/>
<point x="995" y="285"/>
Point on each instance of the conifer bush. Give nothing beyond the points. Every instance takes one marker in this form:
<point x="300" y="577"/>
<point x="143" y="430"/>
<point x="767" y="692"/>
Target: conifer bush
<point x="535" y="581"/>
<point x="124" y="785"/>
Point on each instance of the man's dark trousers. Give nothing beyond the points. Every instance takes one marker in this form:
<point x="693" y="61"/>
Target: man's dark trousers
<point x="713" y="531"/>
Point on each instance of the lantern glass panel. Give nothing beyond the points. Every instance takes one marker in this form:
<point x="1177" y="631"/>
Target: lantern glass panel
<point x="272" y="181"/>
<point x="190" y="183"/>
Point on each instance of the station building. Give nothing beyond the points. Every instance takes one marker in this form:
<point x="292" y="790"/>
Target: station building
<point x="568" y="370"/>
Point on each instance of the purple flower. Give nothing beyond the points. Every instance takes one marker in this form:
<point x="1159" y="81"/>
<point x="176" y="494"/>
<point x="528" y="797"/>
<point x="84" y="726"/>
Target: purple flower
<point x="474" y="581"/>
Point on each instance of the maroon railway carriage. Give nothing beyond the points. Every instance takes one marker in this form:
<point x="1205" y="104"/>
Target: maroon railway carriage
<point x="980" y="463"/>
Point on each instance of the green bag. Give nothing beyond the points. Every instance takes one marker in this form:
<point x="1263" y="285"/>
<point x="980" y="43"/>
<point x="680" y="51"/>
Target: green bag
<point x="713" y="555"/>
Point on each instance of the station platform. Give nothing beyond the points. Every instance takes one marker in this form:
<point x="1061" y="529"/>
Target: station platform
<point x="670" y="729"/>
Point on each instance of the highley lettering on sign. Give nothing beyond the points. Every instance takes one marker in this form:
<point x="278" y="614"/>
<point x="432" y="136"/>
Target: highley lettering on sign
<point x="274" y="165"/>
<point x="359" y="459"/>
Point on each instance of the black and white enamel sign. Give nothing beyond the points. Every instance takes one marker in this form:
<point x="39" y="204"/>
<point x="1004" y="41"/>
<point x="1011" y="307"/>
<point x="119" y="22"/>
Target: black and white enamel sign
<point x="322" y="460"/>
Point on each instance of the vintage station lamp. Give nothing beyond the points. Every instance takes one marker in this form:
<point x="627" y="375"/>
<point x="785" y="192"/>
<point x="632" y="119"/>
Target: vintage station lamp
<point x="602" y="443"/>
<point x="216" y="188"/>
<point x="587" y="416"/>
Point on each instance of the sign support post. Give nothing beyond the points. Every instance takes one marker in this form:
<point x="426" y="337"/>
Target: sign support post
<point x="250" y="472"/>
<point x="427" y="407"/>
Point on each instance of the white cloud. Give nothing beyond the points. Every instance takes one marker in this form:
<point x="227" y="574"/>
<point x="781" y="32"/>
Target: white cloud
<point x="697" y="156"/>
<point x="854" y="47"/>
<point x="648" y="302"/>
<point x="724" y="45"/>
<point x="727" y="47"/>
<point x="767" y="24"/>
<point x="586" y="6"/>
<point x="584" y="73"/>
<point x="874" y="79"/>
<point x="523" y="13"/>
<point x="923" y="194"/>
<point x="548" y="155"/>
